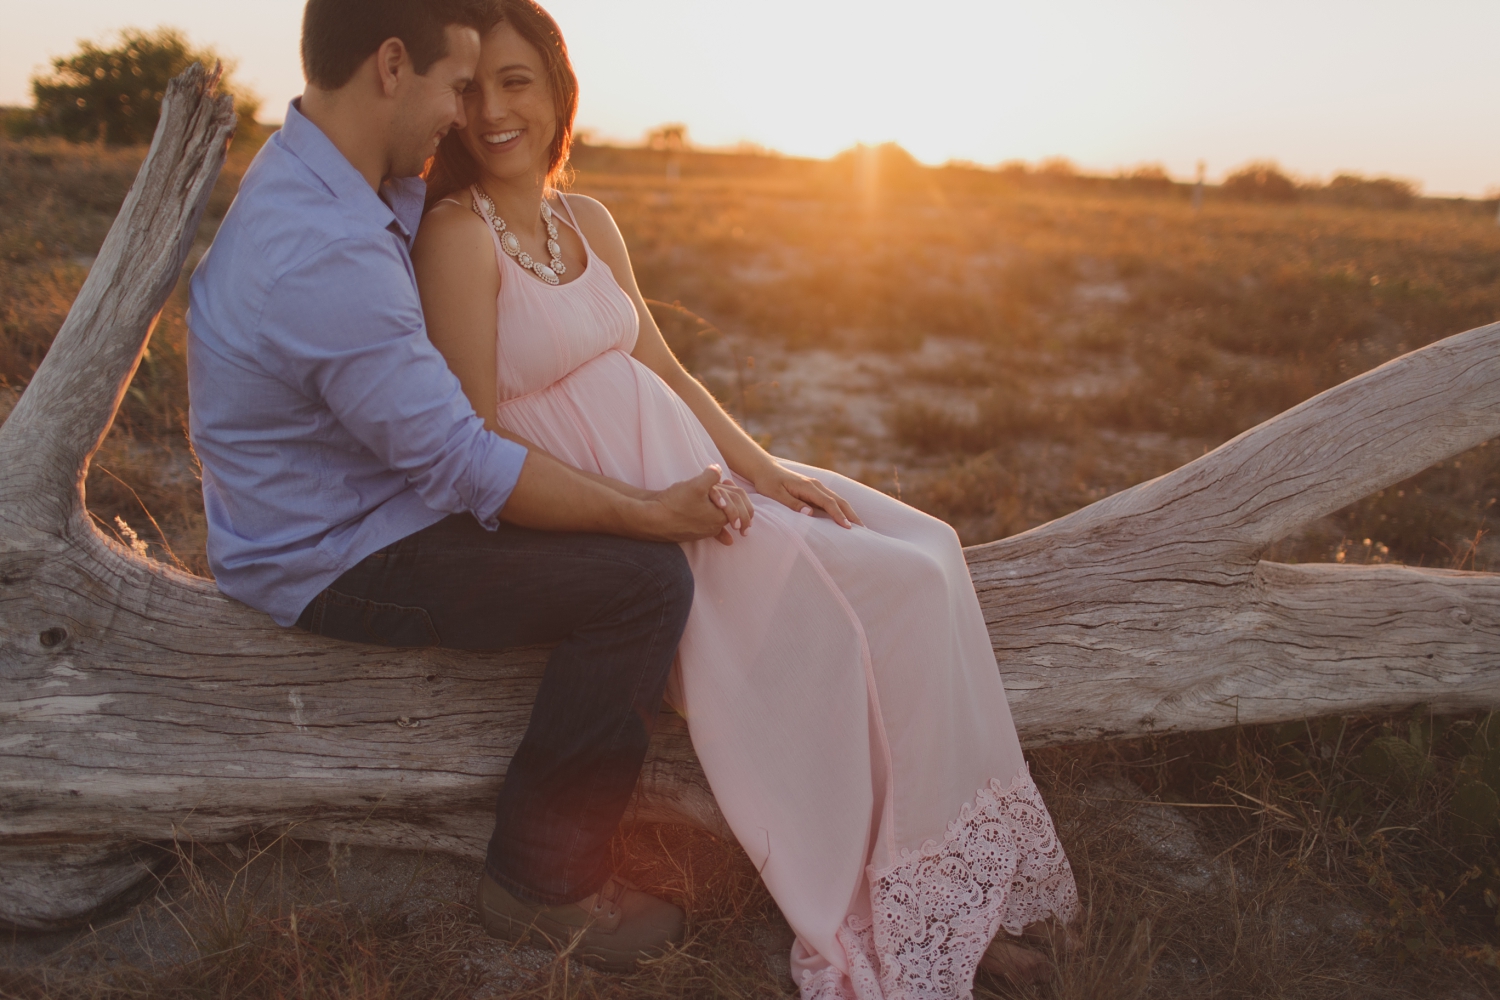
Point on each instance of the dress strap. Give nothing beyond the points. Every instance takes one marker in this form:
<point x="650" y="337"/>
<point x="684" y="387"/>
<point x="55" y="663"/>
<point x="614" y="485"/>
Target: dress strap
<point x="571" y="220"/>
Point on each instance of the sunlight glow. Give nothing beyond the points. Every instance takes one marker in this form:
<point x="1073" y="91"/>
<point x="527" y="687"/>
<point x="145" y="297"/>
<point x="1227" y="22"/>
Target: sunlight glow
<point x="1376" y="86"/>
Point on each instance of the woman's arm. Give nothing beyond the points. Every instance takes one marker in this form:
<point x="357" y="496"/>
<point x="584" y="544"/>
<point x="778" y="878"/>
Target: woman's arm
<point x="459" y="284"/>
<point x="744" y="455"/>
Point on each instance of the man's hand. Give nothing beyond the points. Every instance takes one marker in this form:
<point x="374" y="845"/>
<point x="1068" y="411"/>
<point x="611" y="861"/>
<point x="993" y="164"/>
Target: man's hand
<point x="551" y="496"/>
<point x="706" y="505"/>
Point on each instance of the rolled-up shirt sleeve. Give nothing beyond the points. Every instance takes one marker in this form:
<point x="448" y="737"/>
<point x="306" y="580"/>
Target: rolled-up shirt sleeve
<point x="362" y="348"/>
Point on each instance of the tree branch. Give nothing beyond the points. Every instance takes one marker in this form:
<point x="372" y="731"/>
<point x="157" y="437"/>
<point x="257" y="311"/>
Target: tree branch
<point x="66" y="411"/>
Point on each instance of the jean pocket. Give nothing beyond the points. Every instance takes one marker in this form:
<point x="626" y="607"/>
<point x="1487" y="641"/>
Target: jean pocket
<point x="355" y="619"/>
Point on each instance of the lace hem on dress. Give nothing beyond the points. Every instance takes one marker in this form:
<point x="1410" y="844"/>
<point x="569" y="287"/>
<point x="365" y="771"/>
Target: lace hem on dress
<point x="936" y="909"/>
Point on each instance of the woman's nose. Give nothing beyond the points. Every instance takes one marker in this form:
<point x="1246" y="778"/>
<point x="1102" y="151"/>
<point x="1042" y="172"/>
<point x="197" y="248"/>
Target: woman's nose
<point x="494" y="108"/>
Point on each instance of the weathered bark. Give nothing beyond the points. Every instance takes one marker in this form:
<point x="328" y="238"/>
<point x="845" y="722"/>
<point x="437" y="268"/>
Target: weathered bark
<point x="1151" y="610"/>
<point x="138" y="705"/>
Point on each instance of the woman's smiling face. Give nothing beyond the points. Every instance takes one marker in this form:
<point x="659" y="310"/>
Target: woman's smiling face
<point x="512" y="118"/>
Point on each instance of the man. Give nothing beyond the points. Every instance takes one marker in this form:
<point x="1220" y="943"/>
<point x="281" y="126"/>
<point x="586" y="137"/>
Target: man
<point x="351" y="489"/>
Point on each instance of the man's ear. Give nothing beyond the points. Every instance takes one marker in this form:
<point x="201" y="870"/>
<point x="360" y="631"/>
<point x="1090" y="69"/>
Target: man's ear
<point x="392" y="65"/>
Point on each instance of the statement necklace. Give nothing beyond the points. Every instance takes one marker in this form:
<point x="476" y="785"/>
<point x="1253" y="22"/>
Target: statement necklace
<point x="511" y="244"/>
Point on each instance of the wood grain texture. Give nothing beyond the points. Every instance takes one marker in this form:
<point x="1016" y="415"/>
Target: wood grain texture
<point x="139" y="706"/>
<point x="1151" y="610"/>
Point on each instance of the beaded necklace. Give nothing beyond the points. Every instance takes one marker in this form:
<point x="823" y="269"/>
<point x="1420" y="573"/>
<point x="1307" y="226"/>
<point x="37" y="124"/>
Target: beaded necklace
<point x="484" y="207"/>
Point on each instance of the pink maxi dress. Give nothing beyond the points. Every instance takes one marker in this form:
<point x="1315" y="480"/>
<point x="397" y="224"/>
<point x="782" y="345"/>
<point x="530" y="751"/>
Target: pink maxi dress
<point x="838" y="684"/>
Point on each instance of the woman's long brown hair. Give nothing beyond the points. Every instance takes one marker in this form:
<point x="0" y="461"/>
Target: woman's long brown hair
<point x="453" y="168"/>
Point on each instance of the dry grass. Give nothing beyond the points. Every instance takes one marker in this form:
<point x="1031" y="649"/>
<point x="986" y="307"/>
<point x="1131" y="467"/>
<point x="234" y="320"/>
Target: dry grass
<point x="1223" y="866"/>
<point x="1110" y="333"/>
<point x="57" y="202"/>
<point x="1000" y="350"/>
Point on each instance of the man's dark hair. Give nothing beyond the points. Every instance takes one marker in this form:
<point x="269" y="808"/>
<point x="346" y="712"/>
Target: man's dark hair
<point x="339" y="35"/>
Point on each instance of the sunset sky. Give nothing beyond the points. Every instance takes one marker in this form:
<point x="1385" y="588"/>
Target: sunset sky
<point x="1322" y="86"/>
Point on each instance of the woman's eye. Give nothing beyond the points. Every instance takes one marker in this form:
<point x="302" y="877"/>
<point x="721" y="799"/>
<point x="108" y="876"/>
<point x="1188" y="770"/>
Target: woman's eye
<point x="516" y="81"/>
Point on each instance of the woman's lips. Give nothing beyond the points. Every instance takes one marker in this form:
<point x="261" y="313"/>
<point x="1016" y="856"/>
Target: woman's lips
<point x="499" y="142"/>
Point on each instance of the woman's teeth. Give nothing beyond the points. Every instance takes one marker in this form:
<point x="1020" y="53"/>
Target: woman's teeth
<point x="496" y="138"/>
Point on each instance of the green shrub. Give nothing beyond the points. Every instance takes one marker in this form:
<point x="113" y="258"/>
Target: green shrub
<point x="17" y="123"/>
<point x="114" y="94"/>
<point x="1260" y="181"/>
<point x="1370" y="192"/>
<point x="1395" y="763"/>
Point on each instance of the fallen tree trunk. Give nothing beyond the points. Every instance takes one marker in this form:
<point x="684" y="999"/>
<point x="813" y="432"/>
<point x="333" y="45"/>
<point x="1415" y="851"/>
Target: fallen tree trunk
<point x="138" y="705"/>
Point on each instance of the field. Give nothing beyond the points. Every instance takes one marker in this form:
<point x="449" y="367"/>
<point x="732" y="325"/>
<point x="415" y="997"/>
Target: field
<point x="998" y="348"/>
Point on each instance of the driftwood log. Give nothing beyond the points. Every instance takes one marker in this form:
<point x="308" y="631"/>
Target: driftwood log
<point x="138" y="705"/>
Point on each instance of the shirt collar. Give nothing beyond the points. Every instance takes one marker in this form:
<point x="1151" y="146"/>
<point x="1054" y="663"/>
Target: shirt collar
<point x="399" y="203"/>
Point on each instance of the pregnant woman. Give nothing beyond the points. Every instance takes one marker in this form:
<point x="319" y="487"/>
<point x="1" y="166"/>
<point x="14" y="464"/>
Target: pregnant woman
<point x="835" y="674"/>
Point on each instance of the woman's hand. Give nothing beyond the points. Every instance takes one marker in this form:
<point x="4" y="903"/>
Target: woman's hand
<point x="706" y="506"/>
<point x="732" y="499"/>
<point x="802" y="493"/>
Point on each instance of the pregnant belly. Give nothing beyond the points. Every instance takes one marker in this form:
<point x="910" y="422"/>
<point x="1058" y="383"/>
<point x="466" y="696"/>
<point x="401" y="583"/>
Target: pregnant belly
<point x="614" y="416"/>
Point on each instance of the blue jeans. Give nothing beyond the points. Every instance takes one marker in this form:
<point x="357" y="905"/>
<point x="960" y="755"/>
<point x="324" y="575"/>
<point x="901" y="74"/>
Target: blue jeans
<point x="616" y="608"/>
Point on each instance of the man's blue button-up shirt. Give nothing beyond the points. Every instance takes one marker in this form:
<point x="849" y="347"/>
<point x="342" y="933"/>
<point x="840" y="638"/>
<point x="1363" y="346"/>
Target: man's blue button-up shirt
<point x="327" y="424"/>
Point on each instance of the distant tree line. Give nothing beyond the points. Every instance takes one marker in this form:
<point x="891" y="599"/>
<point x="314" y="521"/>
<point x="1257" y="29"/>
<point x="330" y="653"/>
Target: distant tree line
<point x="888" y="167"/>
<point x="113" y="94"/>
<point x="1260" y="180"/>
<point x="1264" y="180"/>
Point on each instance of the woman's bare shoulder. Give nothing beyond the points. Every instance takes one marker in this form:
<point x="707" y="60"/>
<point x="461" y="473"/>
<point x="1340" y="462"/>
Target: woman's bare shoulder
<point x="598" y="226"/>
<point x="582" y="203"/>
<point x="591" y="214"/>
<point x="452" y="236"/>
<point x="448" y="223"/>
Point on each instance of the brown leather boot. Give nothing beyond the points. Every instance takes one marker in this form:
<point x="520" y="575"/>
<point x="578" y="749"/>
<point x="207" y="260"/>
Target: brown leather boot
<point x="614" y="928"/>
